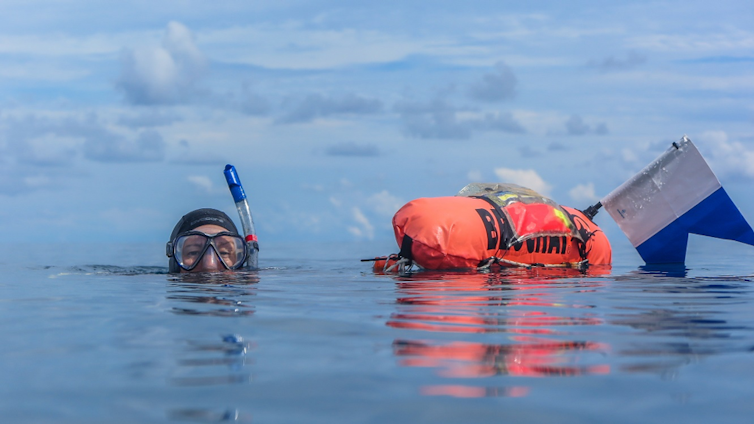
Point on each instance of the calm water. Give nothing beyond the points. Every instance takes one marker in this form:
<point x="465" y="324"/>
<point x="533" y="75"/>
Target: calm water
<point x="93" y="334"/>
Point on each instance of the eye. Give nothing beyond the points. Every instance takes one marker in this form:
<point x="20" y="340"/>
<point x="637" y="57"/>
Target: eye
<point x="226" y="247"/>
<point x="192" y="253"/>
<point x="191" y="248"/>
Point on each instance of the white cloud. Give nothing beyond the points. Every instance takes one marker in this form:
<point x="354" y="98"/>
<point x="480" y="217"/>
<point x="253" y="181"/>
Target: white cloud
<point x="300" y="46"/>
<point x="495" y="86"/>
<point x="148" y="146"/>
<point x="384" y="203"/>
<point x="335" y="202"/>
<point x="575" y="125"/>
<point x="629" y="155"/>
<point x="440" y="119"/>
<point x="583" y="193"/>
<point x="726" y="40"/>
<point x="727" y="157"/>
<point x="179" y="41"/>
<point x="58" y="44"/>
<point x="201" y="182"/>
<point x="613" y="63"/>
<point x="37" y="181"/>
<point x="40" y="140"/>
<point x="313" y="187"/>
<point x="318" y="106"/>
<point x="524" y="177"/>
<point x="365" y="228"/>
<point x="162" y="75"/>
<point x="474" y="176"/>
<point x="355" y="231"/>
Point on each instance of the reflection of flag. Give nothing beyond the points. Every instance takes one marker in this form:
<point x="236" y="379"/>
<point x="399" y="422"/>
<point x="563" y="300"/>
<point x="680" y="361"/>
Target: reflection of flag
<point x="673" y="196"/>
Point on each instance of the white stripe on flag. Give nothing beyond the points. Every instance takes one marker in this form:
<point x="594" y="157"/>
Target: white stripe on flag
<point x="663" y="191"/>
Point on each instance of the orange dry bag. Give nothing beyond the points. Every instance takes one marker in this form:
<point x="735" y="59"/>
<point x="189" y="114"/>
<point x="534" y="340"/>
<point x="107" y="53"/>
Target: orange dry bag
<point x="502" y="224"/>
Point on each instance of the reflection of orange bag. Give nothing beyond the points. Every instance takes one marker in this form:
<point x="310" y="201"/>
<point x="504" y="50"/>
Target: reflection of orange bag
<point x="468" y="232"/>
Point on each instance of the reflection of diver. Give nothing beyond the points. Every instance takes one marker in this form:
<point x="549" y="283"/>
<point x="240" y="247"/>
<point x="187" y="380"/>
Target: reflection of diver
<point x="518" y="303"/>
<point x="218" y="362"/>
<point x="225" y="294"/>
<point x="211" y="359"/>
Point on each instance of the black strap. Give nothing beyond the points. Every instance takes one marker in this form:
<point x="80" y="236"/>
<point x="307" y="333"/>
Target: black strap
<point x="406" y="245"/>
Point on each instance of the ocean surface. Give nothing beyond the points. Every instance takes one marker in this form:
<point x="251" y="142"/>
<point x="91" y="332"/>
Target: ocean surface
<point x="102" y="334"/>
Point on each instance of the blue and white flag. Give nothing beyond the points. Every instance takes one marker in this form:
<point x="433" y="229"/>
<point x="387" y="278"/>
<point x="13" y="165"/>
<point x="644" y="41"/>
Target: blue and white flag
<point x="673" y="196"/>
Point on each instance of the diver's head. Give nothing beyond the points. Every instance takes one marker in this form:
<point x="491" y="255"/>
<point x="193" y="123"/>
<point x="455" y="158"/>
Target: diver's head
<point x="205" y="240"/>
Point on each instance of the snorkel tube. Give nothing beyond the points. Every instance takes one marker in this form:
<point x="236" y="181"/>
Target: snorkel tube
<point x="247" y="222"/>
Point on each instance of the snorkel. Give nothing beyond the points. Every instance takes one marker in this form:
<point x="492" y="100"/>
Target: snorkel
<point x="247" y="222"/>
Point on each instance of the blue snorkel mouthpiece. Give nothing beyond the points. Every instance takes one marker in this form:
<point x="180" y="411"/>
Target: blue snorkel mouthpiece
<point x="244" y="212"/>
<point x="234" y="184"/>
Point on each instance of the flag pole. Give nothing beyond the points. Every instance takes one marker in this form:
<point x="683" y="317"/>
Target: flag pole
<point x="592" y="210"/>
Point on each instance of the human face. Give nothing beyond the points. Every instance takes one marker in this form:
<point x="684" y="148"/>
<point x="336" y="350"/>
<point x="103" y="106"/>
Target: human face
<point x="209" y="261"/>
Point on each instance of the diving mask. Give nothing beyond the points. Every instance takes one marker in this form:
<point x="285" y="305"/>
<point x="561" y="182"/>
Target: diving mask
<point x="189" y="249"/>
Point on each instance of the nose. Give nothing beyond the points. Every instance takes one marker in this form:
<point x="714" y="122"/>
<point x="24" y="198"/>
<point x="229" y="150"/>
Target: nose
<point x="209" y="262"/>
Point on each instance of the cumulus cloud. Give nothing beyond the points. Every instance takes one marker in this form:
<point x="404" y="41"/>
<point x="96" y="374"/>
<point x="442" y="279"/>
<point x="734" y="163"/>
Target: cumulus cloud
<point x="148" y="146"/>
<point x="41" y="153"/>
<point x="496" y="86"/>
<point x="187" y="155"/>
<point x="601" y="129"/>
<point x="364" y="228"/>
<point x="148" y="119"/>
<point x="611" y="63"/>
<point x="440" y="120"/>
<point x="474" y="176"/>
<point x="502" y="121"/>
<point x="523" y="177"/>
<point x="557" y="147"/>
<point x="436" y="119"/>
<point x="32" y="140"/>
<point x="55" y="142"/>
<point x="529" y="152"/>
<point x="17" y="179"/>
<point x="335" y="201"/>
<point x="251" y="103"/>
<point x="350" y="148"/>
<point x="318" y="106"/>
<point x="162" y="75"/>
<point x="202" y="183"/>
<point x="583" y="193"/>
<point x="576" y="126"/>
<point x="313" y="187"/>
<point x="384" y="203"/>
<point x="629" y="155"/>
<point x="728" y="157"/>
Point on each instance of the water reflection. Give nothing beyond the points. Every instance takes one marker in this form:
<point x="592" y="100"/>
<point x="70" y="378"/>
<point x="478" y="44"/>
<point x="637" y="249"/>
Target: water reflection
<point x="208" y="416"/>
<point x="220" y="359"/>
<point x="214" y="294"/>
<point x="529" y="324"/>
<point x="198" y="369"/>
<point x="665" y="270"/>
<point x="679" y="320"/>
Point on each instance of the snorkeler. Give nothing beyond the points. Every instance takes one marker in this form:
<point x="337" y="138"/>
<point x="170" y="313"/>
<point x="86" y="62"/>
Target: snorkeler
<point x="206" y="240"/>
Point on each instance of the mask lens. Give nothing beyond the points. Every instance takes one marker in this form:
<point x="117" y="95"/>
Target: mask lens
<point x="189" y="250"/>
<point x="231" y="249"/>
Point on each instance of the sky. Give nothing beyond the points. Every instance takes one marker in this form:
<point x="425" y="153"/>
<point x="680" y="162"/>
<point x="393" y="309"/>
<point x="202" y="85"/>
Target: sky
<point x="116" y="118"/>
